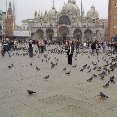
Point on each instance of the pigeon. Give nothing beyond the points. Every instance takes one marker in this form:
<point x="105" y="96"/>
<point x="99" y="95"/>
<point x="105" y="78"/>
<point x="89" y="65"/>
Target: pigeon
<point x="37" y="68"/>
<point x="89" y="71"/>
<point x="106" y="85"/>
<point x="102" y="77"/>
<point x="84" y="66"/>
<point x="88" y="67"/>
<point x="102" y="95"/>
<point x="94" y="75"/>
<point x="112" y="79"/>
<point x="30" y="64"/>
<point x="47" y="77"/>
<point x="9" y="67"/>
<point x="64" y="69"/>
<point x="53" y="65"/>
<point x="68" y="73"/>
<point x="30" y="92"/>
<point x="74" y="66"/>
<point x="89" y="57"/>
<point x="90" y="79"/>
<point x="82" y="69"/>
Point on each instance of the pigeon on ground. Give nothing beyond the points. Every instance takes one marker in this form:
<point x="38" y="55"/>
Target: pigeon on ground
<point x="74" y="66"/>
<point x="68" y="73"/>
<point x="64" y="69"/>
<point x="30" y="92"/>
<point x="47" y="77"/>
<point x="10" y="66"/>
<point x="30" y="64"/>
<point x="37" y="68"/>
<point x="103" y="96"/>
<point x="112" y="79"/>
<point x="106" y="85"/>
<point x="90" y="79"/>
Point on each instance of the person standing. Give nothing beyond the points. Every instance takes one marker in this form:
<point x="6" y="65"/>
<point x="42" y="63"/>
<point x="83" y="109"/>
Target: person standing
<point x="30" y="48"/>
<point x="93" y="48"/>
<point x="70" y="53"/>
<point x="77" y="46"/>
<point x="42" y="46"/>
<point x="6" y="48"/>
<point x="0" y="46"/>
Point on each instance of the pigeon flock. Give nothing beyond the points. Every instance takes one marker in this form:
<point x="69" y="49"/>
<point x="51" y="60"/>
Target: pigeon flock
<point x="51" y="66"/>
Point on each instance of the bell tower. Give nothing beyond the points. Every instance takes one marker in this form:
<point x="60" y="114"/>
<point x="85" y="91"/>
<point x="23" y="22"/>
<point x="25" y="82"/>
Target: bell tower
<point x="9" y="21"/>
<point x="112" y="19"/>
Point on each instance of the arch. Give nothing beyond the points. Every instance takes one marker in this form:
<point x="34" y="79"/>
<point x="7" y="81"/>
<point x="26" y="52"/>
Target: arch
<point x="98" y="33"/>
<point x="63" y="32"/>
<point x="40" y="33"/>
<point x="88" y="35"/>
<point x="32" y="34"/>
<point x="49" y="33"/>
<point x="64" y="20"/>
<point x="77" y="34"/>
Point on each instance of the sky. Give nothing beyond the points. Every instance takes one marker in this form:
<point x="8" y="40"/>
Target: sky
<point x="25" y="9"/>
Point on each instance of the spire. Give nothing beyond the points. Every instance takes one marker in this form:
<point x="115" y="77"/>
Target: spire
<point x="10" y="4"/>
<point x="81" y="10"/>
<point x="92" y="2"/>
<point x="53" y="5"/>
<point x="10" y="8"/>
<point x="81" y="7"/>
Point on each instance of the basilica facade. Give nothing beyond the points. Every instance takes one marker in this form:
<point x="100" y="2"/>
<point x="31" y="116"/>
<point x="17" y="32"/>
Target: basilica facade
<point x="71" y="22"/>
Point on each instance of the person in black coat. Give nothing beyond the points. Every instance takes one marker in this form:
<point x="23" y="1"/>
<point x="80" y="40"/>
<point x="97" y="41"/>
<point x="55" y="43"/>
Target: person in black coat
<point x="70" y="53"/>
<point x="93" y="48"/>
<point x="30" y="48"/>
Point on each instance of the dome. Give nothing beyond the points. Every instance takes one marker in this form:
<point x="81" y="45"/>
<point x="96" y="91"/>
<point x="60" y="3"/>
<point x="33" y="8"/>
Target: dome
<point x="92" y="13"/>
<point x="71" y="7"/>
<point x="52" y="13"/>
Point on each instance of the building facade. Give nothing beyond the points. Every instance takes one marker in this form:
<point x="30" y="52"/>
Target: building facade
<point x="68" y="23"/>
<point x="112" y="20"/>
<point x="2" y="23"/>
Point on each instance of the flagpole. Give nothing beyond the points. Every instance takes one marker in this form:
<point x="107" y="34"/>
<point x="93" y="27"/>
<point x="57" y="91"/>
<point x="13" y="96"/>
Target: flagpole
<point x="13" y="16"/>
<point x="6" y="21"/>
<point x="81" y="10"/>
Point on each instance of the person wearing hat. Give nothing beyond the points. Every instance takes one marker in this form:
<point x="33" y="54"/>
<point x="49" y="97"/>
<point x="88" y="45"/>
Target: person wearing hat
<point x="70" y="53"/>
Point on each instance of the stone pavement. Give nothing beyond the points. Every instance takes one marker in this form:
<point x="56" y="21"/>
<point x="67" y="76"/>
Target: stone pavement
<point x="59" y="96"/>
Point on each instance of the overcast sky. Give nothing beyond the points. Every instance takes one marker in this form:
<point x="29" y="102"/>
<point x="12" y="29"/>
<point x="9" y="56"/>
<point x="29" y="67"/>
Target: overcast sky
<point x="26" y="8"/>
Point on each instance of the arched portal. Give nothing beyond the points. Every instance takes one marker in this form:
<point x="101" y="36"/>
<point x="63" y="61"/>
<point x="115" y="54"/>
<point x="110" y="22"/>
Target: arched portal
<point x="77" y="34"/>
<point x="63" y="33"/>
<point x="64" y="20"/>
<point x="98" y="34"/>
<point x="39" y="33"/>
<point x="49" y="34"/>
<point x="88" y="35"/>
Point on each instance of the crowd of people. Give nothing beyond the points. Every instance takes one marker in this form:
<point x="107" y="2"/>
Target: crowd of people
<point x="70" y="46"/>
